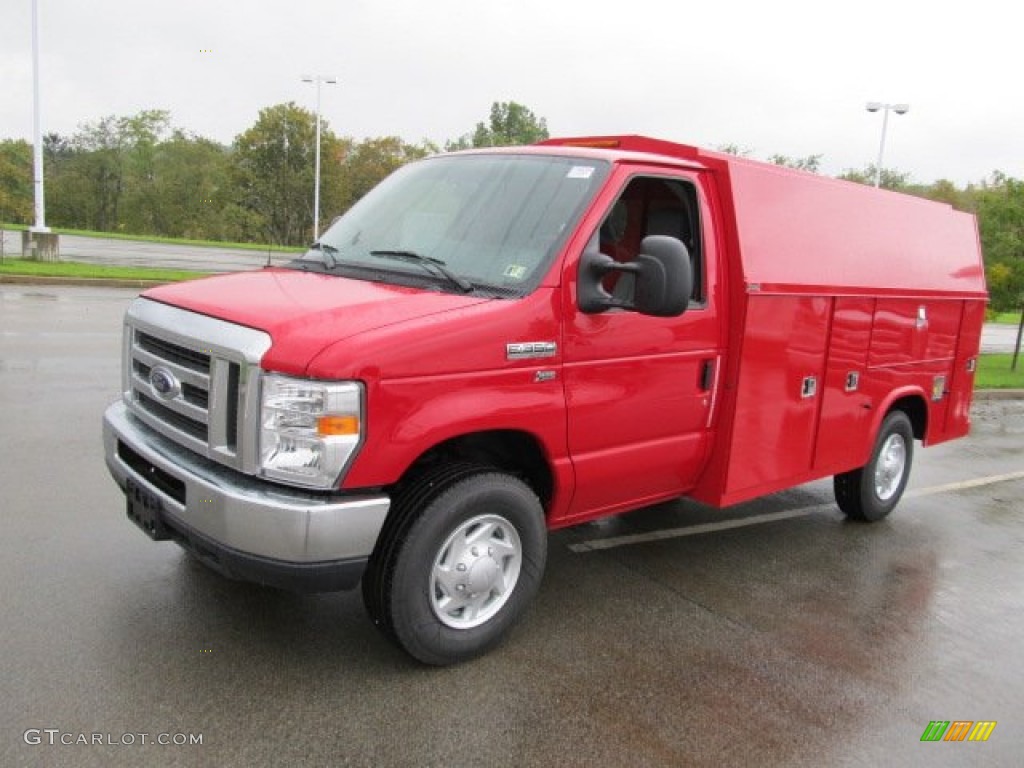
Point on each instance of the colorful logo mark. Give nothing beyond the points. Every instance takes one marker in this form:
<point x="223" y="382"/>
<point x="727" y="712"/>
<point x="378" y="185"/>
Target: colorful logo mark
<point x="958" y="730"/>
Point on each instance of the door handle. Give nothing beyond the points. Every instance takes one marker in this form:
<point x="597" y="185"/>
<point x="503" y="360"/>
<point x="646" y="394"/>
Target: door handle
<point x="707" y="374"/>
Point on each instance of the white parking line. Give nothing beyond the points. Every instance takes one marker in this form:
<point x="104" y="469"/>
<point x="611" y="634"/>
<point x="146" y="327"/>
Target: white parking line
<point x="770" y="517"/>
<point x="965" y="484"/>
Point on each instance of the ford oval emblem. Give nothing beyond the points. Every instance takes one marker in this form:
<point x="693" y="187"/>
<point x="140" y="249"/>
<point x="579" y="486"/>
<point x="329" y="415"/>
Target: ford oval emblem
<point x="164" y="383"/>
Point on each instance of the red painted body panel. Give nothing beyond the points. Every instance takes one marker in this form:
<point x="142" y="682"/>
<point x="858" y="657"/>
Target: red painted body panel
<point x="784" y="344"/>
<point x="815" y="233"/>
<point x="447" y="376"/>
<point x="804" y="277"/>
<point x="844" y="427"/>
<point x="958" y="419"/>
<point x="898" y="337"/>
<point x="305" y="312"/>
<point x="638" y="417"/>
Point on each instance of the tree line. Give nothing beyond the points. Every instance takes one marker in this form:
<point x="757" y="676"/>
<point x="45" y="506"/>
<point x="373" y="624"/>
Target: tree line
<point x="139" y="174"/>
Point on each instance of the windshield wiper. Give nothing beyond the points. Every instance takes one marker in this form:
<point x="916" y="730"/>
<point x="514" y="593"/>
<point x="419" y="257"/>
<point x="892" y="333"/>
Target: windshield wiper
<point x="328" y="251"/>
<point x="428" y="262"/>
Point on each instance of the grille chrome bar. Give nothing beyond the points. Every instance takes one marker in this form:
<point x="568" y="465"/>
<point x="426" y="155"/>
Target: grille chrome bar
<point x="143" y="355"/>
<point x="173" y="418"/>
<point x="169" y="352"/>
<point x="180" y="404"/>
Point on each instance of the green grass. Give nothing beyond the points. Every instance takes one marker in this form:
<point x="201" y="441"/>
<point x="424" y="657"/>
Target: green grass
<point x="158" y="239"/>
<point x="93" y="271"/>
<point x="994" y="373"/>
<point x="1008" y="318"/>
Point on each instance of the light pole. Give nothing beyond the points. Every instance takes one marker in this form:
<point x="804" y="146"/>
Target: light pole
<point x="37" y="126"/>
<point x="318" y="79"/>
<point x="899" y="109"/>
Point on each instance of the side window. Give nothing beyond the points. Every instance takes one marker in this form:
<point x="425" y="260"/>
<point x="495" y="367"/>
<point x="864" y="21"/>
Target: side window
<point x="651" y="206"/>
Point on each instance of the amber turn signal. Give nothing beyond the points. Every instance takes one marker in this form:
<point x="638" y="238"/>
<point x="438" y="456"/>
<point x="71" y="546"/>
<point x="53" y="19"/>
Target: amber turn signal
<point x="337" y="425"/>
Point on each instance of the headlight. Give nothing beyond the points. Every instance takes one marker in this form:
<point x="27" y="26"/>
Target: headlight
<point x="309" y="430"/>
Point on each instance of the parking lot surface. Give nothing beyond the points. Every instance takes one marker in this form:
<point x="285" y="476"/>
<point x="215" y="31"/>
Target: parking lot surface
<point x="786" y="636"/>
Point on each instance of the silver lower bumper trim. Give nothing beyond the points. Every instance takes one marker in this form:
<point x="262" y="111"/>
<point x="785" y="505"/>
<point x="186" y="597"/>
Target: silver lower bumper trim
<point x="238" y="511"/>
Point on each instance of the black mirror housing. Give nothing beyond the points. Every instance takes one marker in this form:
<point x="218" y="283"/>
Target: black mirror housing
<point x="663" y="279"/>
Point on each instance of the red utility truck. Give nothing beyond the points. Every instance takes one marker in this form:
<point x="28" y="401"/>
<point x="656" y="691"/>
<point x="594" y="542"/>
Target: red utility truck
<point x="496" y="343"/>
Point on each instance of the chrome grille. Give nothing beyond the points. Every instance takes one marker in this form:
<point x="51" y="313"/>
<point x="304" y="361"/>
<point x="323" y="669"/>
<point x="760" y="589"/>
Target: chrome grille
<point x="185" y="411"/>
<point x="173" y="353"/>
<point x="189" y="377"/>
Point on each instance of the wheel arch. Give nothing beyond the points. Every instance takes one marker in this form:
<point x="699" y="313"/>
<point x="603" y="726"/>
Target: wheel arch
<point x="517" y="452"/>
<point x="913" y="404"/>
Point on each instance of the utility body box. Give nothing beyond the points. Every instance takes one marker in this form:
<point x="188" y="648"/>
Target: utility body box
<point x="497" y="342"/>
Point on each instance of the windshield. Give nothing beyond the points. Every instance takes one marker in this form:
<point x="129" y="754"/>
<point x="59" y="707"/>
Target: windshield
<point x="491" y="221"/>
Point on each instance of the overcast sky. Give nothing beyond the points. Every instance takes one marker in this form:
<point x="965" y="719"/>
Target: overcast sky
<point x="780" y="76"/>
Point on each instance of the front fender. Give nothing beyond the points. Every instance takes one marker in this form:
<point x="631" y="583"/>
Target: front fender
<point x="408" y="417"/>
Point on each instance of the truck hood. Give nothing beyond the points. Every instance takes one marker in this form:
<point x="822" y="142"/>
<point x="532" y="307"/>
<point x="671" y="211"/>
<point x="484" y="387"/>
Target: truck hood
<point x="305" y="312"/>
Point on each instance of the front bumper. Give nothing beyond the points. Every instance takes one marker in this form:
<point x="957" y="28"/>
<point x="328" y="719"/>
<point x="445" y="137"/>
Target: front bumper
<point x="244" y="527"/>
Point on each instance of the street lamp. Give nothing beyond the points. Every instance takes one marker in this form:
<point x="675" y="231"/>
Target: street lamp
<point x="899" y="109"/>
<point x="37" y="129"/>
<point x="318" y="79"/>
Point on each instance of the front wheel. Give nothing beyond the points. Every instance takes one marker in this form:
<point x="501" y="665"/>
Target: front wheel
<point x="464" y="566"/>
<point x="872" y="491"/>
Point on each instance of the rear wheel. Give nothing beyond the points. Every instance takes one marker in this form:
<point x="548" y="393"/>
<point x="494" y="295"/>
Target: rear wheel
<point x="460" y="567"/>
<point x="872" y="491"/>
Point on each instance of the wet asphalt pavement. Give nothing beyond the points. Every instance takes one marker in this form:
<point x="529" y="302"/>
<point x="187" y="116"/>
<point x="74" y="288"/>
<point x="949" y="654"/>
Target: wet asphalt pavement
<point x="797" y="640"/>
<point x="999" y="338"/>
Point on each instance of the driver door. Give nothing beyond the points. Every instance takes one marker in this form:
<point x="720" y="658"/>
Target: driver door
<point x="640" y="389"/>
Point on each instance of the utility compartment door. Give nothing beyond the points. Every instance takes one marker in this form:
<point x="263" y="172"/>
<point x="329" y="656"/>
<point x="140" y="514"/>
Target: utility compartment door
<point x="958" y="417"/>
<point x="914" y="343"/>
<point x="911" y="331"/>
<point x="845" y="429"/>
<point x="778" y="392"/>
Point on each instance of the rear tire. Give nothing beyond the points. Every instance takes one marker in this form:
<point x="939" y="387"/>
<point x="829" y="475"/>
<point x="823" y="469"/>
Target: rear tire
<point x="459" y="567"/>
<point x="871" y="492"/>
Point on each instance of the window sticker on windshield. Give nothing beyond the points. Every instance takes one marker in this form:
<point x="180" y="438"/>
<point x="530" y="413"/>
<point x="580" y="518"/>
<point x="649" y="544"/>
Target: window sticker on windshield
<point x="515" y="272"/>
<point x="580" y="172"/>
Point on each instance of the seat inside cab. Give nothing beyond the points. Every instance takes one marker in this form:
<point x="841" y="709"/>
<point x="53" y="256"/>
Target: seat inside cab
<point x="649" y="206"/>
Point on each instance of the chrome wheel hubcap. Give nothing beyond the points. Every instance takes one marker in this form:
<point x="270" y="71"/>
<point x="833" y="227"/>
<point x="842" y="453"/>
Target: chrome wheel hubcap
<point x="475" y="571"/>
<point x="889" y="469"/>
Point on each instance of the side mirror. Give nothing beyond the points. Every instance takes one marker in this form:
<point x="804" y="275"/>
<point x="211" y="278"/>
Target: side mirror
<point x="665" y="280"/>
<point x="662" y="273"/>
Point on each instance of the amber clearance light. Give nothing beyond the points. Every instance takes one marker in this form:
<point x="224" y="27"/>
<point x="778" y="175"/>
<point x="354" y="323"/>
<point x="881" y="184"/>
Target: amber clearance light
<point x="595" y="143"/>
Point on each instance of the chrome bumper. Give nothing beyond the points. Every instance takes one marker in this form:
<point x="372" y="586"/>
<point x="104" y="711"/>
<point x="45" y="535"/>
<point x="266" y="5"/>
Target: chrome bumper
<point x="241" y="516"/>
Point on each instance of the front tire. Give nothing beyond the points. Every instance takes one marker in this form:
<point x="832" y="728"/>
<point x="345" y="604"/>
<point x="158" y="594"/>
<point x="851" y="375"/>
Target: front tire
<point x="461" y="568"/>
<point x="872" y="491"/>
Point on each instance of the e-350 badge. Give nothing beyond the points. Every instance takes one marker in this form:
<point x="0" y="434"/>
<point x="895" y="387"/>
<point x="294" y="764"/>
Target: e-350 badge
<point x="525" y="350"/>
